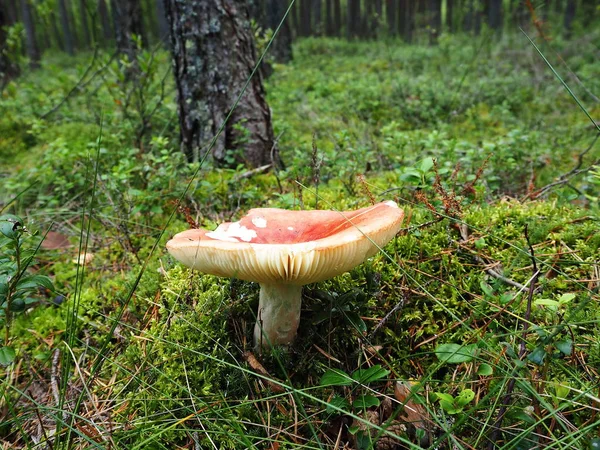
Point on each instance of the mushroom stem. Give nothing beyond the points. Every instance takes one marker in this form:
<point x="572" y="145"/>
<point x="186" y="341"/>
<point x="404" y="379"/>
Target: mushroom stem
<point x="278" y="315"/>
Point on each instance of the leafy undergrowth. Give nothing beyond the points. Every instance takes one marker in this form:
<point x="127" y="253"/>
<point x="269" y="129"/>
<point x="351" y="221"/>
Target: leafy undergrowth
<point x="478" y="326"/>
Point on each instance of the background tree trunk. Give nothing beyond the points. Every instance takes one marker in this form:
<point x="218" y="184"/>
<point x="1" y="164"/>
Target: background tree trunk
<point x="329" y="27"/>
<point x="317" y="8"/>
<point x="104" y="21"/>
<point x="391" y="16"/>
<point x="33" y="51"/>
<point x="569" y="16"/>
<point x="281" y="48"/>
<point x="353" y="19"/>
<point x="163" y="25"/>
<point x="494" y="14"/>
<point x="406" y="11"/>
<point x="450" y="16"/>
<point x="66" y="27"/>
<point x="435" y="19"/>
<point x="127" y="18"/>
<point x="213" y="56"/>
<point x="305" y="17"/>
<point x="337" y="17"/>
<point x="85" y="27"/>
<point x="8" y="68"/>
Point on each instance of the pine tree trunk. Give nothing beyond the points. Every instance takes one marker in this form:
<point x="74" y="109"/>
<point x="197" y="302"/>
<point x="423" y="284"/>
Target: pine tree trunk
<point x="406" y="11"/>
<point x="450" y="16"/>
<point x="83" y="14"/>
<point x="494" y="14"/>
<point x="329" y="28"/>
<point x="281" y="48"/>
<point x="8" y="68"/>
<point x="66" y="27"/>
<point x="317" y="8"/>
<point x="353" y="19"/>
<point x="163" y="25"/>
<point x="337" y="17"/>
<point x="127" y="18"/>
<point x="305" y="17"/>
<point x="213" y="56"/>
<point x="391" y="16"/>
<point x="33" y="51"/>
<point x="435" y="20"/>
<point x="103" y="16"/>
<point x="569" y="16"/>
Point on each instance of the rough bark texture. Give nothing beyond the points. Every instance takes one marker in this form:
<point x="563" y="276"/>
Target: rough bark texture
<point x="213" y="56"/>
<point x="127" y="18"/>
<point x="66" y="27"/>
<point x="8" y="68"/>
<point x="33" y="51"/>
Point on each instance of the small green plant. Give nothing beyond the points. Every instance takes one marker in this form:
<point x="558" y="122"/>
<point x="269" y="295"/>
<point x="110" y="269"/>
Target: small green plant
<point x="18" y="288"/>
<point x="455" y="405"/>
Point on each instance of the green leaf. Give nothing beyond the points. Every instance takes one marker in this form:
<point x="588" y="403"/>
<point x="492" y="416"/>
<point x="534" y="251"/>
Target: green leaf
<point x="455" y="353"/>
<point x="487" y="289"/>
<point x="35" y="281"/>
<point x="9" y="225"/>
<point x="335" y="377"/>
<point x="552" y="304"/>
<point x="17" y="305"/>
<point x="426" y="164"/>
<point x="566" y="298"/>
<point x="464" y="398"/>
<point x="365" y="401"/>
<point x="442" y="396"/>
<point x="337" y="402"/>
<point x="537" y="356"/>
<point x="485" y="370"/>
<point x="353" y="429"/>
<point x="366" y="376"/>
<point x="356" y="322"/>
<point x="564" y="346"/>
<point x="7" y="355"/>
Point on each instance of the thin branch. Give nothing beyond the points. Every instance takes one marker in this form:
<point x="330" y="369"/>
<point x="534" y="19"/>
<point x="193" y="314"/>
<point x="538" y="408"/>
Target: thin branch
<point x="565" y="178"/>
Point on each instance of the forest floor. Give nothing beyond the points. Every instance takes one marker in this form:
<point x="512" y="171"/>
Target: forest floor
<point x="478" y="327"/>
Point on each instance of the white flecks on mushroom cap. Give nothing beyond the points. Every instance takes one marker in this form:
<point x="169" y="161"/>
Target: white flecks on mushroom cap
<point x="231" y="232"/>
<point x="259" y="222"/>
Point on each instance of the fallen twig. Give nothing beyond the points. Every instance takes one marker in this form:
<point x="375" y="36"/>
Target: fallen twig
<point x="256" y="365"/>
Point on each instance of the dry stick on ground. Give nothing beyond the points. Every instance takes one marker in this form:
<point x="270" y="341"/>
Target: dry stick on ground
<point x="564" y="179"/>
<point x="496" y="428"/>
<point x="464" y="233"/>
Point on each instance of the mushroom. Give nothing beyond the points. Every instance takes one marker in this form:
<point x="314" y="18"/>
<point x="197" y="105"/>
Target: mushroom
<point x="284" y="250"/>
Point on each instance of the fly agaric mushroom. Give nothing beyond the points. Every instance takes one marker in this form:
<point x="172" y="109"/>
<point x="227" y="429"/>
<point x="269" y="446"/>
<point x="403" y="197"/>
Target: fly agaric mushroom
<point x="283" y="250"/>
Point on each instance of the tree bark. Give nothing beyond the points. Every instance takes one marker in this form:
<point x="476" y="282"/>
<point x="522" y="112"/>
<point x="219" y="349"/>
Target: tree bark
<point x="213" y="56"/>
<point x="450" y="16"/>
<point x="66" y="27"/>
<point x="329" y="30"/>
<point x="435" y="20"/>
<point x="353" y="19"/>
<point x="569" y="16"/>
<point x="391" y="16"/>
<point x="281" y="48"/>
<point x="337" y="17"/>
<point x="305" y="17"/>
<point x="494" y="14"/>
<point x="163" y="25"/>
<point x="83" y="14"/>
<point x="8" y="68"/>
<point x="317" y="7"/>
<point x="406" y="12"/>
<point x="33" y="51"/>
<point x="127" y="18"/>
<point x="104" y="21"/>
